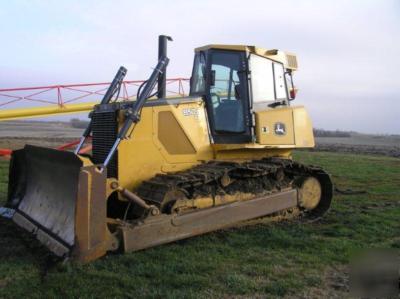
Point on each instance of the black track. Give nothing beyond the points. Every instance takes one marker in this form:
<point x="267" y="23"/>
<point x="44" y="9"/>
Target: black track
<point x="268" y="175"/>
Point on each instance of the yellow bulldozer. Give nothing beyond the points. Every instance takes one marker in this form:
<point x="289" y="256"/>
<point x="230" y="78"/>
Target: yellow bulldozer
<point x="164" y="169"/>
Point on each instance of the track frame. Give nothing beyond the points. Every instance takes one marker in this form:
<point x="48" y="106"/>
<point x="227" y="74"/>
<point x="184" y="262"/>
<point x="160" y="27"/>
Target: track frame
<point x="164" y="228"/>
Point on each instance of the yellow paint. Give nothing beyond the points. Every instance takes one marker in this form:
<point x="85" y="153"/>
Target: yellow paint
<point x="175" y="137"/>
<point x="147" y="153"/>
<point x="251" y="154"/>
<point x="144" y="155"/>
<point x="303" y="129"/>
<point x="287" y="126"/>
<point x="207" y="202"/>
<point x="177" y="143"/>
<point x="10" y="114"/>
<point x="268" y="124"/>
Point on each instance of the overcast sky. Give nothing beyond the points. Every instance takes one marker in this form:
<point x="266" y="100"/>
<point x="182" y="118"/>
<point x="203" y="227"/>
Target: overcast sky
<point x="348" y="51"/>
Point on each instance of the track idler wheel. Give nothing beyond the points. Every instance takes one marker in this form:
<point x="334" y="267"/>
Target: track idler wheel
<point x="315" y="194"/>
<point x="310" y="193"/>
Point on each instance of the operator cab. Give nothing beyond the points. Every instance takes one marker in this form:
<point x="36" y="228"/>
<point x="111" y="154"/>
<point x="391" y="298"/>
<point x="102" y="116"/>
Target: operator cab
<point x="235" y="81"/>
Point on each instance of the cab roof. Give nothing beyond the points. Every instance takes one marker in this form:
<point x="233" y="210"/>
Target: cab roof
<point x="288" y="59"/>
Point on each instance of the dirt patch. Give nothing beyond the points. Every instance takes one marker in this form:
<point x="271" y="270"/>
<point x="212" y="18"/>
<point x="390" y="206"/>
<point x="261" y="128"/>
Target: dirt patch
<point x="30" y="129"/>
<point x="15" y="134"/>
<point x="390" y="151"/>
<point x="4" y="282"/>
<point x="334" y="284"/>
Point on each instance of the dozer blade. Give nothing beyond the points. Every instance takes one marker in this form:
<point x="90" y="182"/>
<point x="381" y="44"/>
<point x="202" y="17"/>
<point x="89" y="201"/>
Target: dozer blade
<point x="61" y="201"/>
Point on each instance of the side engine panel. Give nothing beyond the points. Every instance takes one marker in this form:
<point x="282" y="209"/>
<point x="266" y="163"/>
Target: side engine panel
<point x="170" y="137"/>
<point x="284" y="127"/>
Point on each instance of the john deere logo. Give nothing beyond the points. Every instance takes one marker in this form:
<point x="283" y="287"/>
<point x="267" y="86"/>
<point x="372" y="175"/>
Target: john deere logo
<point x="280" y="129"/>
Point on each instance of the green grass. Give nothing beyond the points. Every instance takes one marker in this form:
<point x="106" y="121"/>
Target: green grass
<point x="266" y="259"/>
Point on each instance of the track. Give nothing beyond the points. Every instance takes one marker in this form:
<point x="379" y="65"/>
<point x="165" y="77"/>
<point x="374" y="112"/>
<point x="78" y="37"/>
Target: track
<point x="219" y="182"/>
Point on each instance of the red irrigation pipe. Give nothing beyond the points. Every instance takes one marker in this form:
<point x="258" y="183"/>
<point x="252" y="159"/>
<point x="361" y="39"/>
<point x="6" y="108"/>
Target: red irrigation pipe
<point x="60" y="101"/>
<point x="5" y="152"/>
<point x="86" y="149"/>
<point x="48" y="87"/>
<point x="68" y="145"/>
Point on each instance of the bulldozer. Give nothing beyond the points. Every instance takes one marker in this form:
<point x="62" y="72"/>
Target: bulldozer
<point x="168" y="168"/>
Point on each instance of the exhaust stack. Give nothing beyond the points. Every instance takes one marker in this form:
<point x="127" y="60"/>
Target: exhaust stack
<point x="162" y="77"/>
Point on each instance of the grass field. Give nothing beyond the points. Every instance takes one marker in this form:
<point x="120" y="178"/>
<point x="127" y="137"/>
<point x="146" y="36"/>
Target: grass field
<point x="291" y="258"/>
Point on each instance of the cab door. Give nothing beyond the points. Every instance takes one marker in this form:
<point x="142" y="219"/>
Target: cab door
<point x="227" y="97"/>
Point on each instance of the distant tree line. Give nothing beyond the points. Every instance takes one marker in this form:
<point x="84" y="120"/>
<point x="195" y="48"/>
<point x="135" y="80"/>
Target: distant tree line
<point x="326" y="133"/>
<point x="78" y="123"/>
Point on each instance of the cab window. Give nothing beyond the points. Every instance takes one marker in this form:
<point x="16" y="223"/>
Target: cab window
<point x="267" y="80"/>
<point x="198" y="80"/>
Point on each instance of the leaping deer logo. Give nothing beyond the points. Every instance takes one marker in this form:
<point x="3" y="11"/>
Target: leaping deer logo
<point x="280" y="129"/>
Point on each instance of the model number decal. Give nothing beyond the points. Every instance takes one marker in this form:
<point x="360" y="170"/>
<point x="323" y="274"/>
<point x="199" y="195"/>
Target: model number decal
<point x="191" y="111"/>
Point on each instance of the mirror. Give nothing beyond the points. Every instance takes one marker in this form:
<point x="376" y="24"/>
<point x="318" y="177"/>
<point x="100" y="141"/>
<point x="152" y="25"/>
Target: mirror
<point x="291" y="88"/>
<point x="212" y="79"/>
<point x="292" y="94"/>
<point x="237" y="91"/>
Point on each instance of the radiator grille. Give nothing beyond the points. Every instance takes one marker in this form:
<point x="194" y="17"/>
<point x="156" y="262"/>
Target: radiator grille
<point x="105" y="130"/>
<point x="292" y="61"/>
